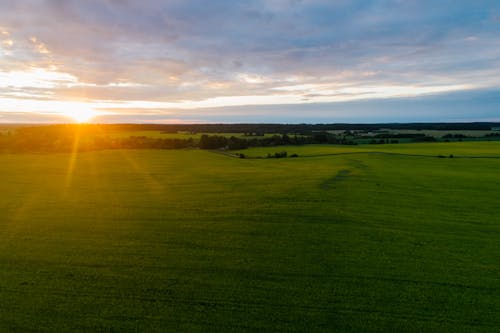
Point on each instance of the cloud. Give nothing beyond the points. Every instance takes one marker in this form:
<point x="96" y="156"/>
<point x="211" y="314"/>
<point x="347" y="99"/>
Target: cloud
<point x="193" y="52"/>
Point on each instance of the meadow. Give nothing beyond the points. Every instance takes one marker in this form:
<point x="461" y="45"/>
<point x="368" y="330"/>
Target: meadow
<point x="482" y="149"/>
<point x="190" y="240"/>
<point x="177" y="135"/>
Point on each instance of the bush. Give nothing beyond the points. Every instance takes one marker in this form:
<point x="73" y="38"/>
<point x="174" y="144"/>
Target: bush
<point x="281" y="154"/>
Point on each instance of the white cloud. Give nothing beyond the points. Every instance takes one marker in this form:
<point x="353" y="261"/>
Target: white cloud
<point x="35" y="78"/>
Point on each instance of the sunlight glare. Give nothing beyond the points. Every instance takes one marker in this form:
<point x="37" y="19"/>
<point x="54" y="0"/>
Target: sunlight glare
<point x="80" y="113"/>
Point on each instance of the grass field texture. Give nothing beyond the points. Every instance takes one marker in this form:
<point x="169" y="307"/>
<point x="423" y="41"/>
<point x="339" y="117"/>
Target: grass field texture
<point x="189" y="240"/>
<point x="457" y="149"/>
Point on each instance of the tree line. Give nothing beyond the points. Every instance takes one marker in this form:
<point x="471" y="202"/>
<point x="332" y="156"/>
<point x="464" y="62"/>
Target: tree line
<point x="36" y="140"/>
<point x="304" y="129"/>
<point x="64" y="138"/>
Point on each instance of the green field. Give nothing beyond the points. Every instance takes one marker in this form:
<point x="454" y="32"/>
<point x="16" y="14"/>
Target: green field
<point x="457" y="149"/>
<point x="190" y="240"/>
<point x="178" y="135"/>
<point x="441" y="133"/>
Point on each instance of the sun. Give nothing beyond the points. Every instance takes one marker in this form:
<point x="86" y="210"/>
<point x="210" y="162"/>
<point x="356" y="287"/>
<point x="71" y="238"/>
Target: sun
<point x="80" y="113"/>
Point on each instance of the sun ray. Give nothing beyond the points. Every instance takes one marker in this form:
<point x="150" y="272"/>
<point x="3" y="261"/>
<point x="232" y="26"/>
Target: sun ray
<point x="72" y="158"/>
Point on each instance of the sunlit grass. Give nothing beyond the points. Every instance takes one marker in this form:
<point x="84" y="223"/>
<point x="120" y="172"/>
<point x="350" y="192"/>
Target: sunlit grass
<point x="397" y="243"/>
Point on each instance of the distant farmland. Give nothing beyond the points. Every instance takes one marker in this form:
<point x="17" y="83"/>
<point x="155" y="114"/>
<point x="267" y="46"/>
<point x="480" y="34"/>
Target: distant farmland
<point x="190" y="240"/>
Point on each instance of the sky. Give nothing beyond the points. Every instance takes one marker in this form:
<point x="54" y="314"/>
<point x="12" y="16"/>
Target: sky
<point x="287" y="61"/>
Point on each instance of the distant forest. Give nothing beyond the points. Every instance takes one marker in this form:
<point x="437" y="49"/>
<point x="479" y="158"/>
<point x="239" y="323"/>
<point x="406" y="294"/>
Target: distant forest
<point x="303" y="128"/>
<point x="63" y="138"/>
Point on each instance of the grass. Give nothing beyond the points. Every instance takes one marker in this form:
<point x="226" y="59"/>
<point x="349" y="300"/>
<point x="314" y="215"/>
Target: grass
<point x="195" y="241"/>
<point x="480" y="149"/>
<point x="179" y="135"/>
<point x="441" y="133"/>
